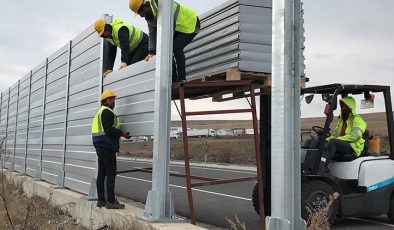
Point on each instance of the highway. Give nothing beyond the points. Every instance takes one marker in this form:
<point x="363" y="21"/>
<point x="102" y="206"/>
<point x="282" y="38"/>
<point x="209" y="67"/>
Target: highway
<point x="213" y="204"/>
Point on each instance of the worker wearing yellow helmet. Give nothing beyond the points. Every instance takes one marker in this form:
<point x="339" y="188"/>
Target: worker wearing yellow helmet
<point x="187" y="26"/>
<point x="132" y="42"/>
<point x="106" y="133"/>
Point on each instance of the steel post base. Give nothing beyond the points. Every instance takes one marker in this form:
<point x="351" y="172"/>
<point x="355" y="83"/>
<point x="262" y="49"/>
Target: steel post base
<point x="152" y="212"/>
<point x="276" y="223"/>
<point x="60" y="180"/>
<point x="93" y="190"/>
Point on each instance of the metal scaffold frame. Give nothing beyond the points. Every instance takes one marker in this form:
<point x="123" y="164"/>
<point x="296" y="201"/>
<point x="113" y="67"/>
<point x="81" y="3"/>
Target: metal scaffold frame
<point x="197" y="90"/>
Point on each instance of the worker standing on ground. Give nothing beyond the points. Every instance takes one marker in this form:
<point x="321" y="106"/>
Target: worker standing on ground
<point x="132" y="42"/>
<point x="106" y="133"/>
<point x="187" y="26"/>
<point x="347" y="137"/>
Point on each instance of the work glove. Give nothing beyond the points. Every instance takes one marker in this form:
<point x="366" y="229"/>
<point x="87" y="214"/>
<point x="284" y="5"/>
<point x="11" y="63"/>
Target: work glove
<point x="107" y="72"/>
<point x="126" y="135"/>
<point x="122" y="65"/>
<point x="150" y="56"/>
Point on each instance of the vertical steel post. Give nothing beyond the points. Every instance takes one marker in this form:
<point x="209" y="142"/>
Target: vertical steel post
<point x="299" y="223"/>
<point x="92" y="195"/>
<point x="61" y="176"/>
<point x="44" y="95"/>
<point x="16" y="125"/>
<point x="285" y="171"/>
<point x="28" y="120"/>
<point x="159" y="205"/>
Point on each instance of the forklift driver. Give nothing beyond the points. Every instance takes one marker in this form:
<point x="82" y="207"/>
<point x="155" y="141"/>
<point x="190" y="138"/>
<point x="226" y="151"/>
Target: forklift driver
<point x="347" y="137"/>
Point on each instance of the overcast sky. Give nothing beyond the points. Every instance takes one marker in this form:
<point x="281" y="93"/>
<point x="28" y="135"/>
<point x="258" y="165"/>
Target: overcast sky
<point x="346" y="41"/>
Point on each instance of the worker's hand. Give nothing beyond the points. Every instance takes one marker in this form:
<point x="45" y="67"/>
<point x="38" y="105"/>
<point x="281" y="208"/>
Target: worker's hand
<point x="122" y="65"/>
<point x="107" y="72"/>
<point x="147" y="58"/>
<point x="126" y="135"/>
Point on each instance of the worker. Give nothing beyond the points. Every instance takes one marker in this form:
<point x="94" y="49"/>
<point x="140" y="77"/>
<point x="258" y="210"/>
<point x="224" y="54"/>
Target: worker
<point x="106" y="133"/>
<point x="347" y="137"/>
<point x="132" y="42"/>
<point x="187" y="26"/>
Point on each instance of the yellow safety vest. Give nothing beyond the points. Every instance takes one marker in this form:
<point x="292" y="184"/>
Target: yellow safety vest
<point x="135" y="34"/>
<point x="184" y="17"/>
<point x="100" y="139"/>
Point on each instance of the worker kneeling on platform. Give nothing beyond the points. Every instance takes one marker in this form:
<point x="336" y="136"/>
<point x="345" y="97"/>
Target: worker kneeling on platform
<point x="187" y="26"/>
<point x="132" y="42"/>
<point x="106" y="133"/>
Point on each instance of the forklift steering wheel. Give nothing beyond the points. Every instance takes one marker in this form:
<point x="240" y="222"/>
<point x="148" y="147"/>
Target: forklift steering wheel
<point x="319" y="130"/>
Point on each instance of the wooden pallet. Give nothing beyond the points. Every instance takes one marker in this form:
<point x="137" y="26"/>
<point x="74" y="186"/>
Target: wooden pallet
<point x="260" y="80"/>
<point x="235" y="75"/>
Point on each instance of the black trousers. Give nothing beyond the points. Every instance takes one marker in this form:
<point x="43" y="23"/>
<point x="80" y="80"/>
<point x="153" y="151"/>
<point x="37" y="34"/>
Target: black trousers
<point x="336" y="146"/>
<point x="106" y="170"/>
<point x="140" y="52"/>
<point x="181" y="40"/>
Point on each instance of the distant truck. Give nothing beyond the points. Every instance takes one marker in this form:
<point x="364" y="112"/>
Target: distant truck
<point x="201" y="133"/>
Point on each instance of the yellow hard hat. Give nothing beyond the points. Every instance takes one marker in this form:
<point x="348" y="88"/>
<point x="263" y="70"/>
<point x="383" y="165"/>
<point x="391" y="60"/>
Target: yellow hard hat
<point x="106" y="94"/>
<point x="135" y="5"/>
<point x="99" y="26"/>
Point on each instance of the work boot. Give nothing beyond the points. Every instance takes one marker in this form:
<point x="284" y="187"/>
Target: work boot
<point x="114" y="205"/>
<point x="100" y="204"/>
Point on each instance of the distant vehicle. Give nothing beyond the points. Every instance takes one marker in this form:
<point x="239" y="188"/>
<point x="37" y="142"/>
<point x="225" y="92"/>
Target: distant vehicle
<point x="201" y="133"/>
<point x="249" y="131"/>
<point x="239" y="132"/>
<point x="174" y="134"/>
<point x="224" y="132"/>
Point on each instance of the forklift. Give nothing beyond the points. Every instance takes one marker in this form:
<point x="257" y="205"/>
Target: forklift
<point x="365" y="184"/>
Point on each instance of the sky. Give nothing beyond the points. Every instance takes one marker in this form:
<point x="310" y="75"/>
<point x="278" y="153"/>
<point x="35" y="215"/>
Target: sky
<point x="346" y="41"/>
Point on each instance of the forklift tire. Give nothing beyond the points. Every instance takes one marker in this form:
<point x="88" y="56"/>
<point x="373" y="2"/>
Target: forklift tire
<point x="255" y="201"/>
<point x="315" y="190"/>
<point x="255" y="198"/>
<point x="391" y="210"/>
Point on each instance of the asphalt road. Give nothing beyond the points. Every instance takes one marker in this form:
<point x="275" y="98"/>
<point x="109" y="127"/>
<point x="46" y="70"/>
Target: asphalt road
<point x="213" y="204"/>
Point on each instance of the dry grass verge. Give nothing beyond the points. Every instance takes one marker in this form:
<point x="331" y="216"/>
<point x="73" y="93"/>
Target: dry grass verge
<point x="17" y="211"/>
<point x="234" y="150"/>
<point x="318" y="219"/>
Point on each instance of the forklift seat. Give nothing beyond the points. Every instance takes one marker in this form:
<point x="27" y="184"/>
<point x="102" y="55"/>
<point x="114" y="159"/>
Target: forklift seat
<point x="350" y="156"/>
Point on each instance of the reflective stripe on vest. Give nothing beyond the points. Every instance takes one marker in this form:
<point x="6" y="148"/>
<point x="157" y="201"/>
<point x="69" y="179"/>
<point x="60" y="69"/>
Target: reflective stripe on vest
<point x="185" y="18"/>
<point x="135" y="34"/>
<point x="97" y="127"/>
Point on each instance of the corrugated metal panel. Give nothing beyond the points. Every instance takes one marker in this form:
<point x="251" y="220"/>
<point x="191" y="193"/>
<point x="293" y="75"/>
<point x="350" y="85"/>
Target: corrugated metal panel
<point x="236" y="34"/>
<point x="22" y="120"/>
<point x="55" y="98"/>
<point x="80" y="157"/>
<point x="33" y="155"/>
<point x="135" y="87"/>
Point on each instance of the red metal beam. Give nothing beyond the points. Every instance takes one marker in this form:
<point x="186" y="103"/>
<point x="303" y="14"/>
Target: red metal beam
<point x="224" y="181"/>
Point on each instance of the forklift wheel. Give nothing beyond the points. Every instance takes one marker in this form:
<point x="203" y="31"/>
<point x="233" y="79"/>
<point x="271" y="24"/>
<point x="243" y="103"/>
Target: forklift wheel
<point x="391" y="211"/>
<point x="255" y="201"/>
<point x="313" y="193"/>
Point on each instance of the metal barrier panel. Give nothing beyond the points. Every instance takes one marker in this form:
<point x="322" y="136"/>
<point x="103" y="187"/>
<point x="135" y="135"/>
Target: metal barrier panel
<point x="3" y="115"/>
<point x="135" y="88"/>
<point x="21" y="123"/>
<point x="11" y="126"/>
<point x="46" y="116"/>
<point x="52" y="152"/>
<point x="80" y="155"/>
<point x="33" y="155"/>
